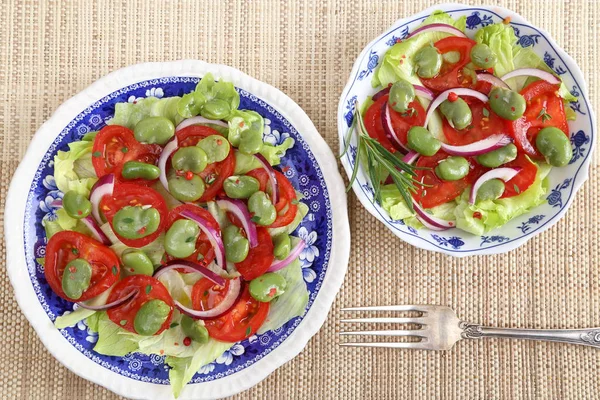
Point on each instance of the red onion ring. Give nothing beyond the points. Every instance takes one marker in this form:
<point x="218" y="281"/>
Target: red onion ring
<point x="105" y="186"/>
<point x="538" y="73"/>
<point x="239" y="209"/>
<point x="444" y="96"/>
<point x="169" y="149"/>
<point x="294" y="253"/>
<point x="381" y="93"/>
<point x="386" y="121"/>
<point x="445" y="28"/>
<point x="198" y="121"/>
<point x="214" y="236"/>
<point x="490" y="78"/>
<point x="410" y="157"/>
<point x="225" y="305"/>
<point x="118" y="302"/>
<point x="272" y="177"/>
<point x="430" y="221"/>
<point x="423" y="92"/>
<point x="504" y="173"/>
<point x="190" y="267"/>
<point x="483" y="146"/>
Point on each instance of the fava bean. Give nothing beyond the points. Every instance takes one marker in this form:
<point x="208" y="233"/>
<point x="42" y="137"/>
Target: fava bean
<point x="267" y="287"/>
<point x="422" y="141"/>
<point x="282" y="245"/>
<point x="180" y="239"/>
<point x="483" y="56"/>
<point x="76" y="205"/>
<point x="402" y="93"/>
<point x="194" y="329"/>
<point x="490" y="190"/>
<point x="216" y="109"/>
<point x="555" y="146"/>
<point x="151" y="130"/>
<point x="240" y="187"/>
<point x="140" y="170"/>
<point x="428" y="62"/>
<point x="186" y="190"/>
<point x="190" y="158"/>
<point x="236" y="245"/>
<point x="76" y="278"/>
<point x="496" y="158"/>
<point x="190" y="104"/>
<point x="452" y="168"/>
<point x="216" y="147"/>
<point x="151" y="316"/>
<point x="451" y="57"/>
<point x="136" y="262"/>
<point x="251" y="141"/>
<point x="262" y="209"/>
<point x="506" y="103"/>
<point x="457" y="113"/>
<point x="136" y="222"/>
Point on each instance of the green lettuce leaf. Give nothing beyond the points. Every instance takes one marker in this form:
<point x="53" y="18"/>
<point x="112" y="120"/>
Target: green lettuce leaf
<point x="300" y="214"/>
<point x="68" y="165"/>
<point x="112" y="339"/>
<point x="71" y="318"/>
<point x="273" y="154"/>
<point x="393" y="203"/>
<point x="220" y="92"/>
<point x="129" y="114"/>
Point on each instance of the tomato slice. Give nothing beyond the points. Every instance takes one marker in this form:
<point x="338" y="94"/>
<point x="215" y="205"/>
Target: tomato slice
<point x="242" y="321"/>
<point x="450" y="75"/>
<point x="214" y="174"/>
<point x="67" y="246"/>
<point x="115" y="145"/>
<point x="130" y="194"/>
<point x="481" y="127"/>
<point x="204" y="253"/>
<point x="401" y="124"/>
<point x="523" y="179"/>
<point x="544" y="108"/>
<point x="148" y="288"/>
<point x="259" y="258"/>
<point x="287" y="205"/>
<point x="439" y="192"/>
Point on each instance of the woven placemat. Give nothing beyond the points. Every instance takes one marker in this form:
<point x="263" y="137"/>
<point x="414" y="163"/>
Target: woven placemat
<point x="51" y="50"/>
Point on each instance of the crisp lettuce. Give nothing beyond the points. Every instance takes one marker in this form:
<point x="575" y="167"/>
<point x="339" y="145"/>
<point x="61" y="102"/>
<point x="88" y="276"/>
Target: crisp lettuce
<point x="112" y="339"/>
<point x="73" y="169"/>
<point x="273" y="154"/>
<point x="129" y="114"/>
<point x="393" y="203"/>
<point x="71" y="318"/>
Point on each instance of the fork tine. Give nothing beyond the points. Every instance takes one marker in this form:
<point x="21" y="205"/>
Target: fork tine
<point x="388" y="308"/>
<point x="414" y="333"/>
<point x="416" y="320"/>
<point x="393" y="345"/>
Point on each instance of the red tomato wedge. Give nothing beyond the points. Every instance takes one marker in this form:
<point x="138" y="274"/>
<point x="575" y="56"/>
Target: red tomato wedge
<point x="259" y="258"/>
<point x="241" y="321"/>
<point x="67" y="246"/>
<point x="287" y="205"/>
<point x="148" y="288"/>
<point x="130" y="194"/>
<point x="114" y="145"/>
<point x="204" y="253"/>
<point x="439" y="191"/>
<point x="484" y="124"/>
<point x="450" y="75"/>
<point x="523" y="179"/>
<point x="214" y="174"/>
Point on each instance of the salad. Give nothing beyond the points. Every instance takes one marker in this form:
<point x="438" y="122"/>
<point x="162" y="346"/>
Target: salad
<point x="174" y="230"/>
<point x="461" y="132"/>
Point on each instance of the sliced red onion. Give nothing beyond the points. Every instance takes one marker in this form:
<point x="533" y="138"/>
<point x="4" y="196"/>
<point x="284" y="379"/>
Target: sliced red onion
<point x="490" y="78"/>
<point x="225" y="305"/>
<point x="272" y="177"/>
<point x="96" y="231"/>
<point x="214" y="236"/>
<point x="504" y="173"/>
<point x="239" y="209"/>
<point x="199" y="120"/>
<point x="105" y="186"/>
<point x="169" y="149"/>
<point x="445" y="28"/>
<point x="190" y="267"/>
<point x="423" y="92"/>
<point x="432" y="222"/>
<point x="444" y="96"/>
<point x="381" y="93"/>
<point x="56" y="203"/>
<point x="118" y="302"/>
<point x="294" y="253"/>
<point x="480" y="147"/>
<point x="411" y="157"/>
<point x="538" y="73"/>
<point x="386" y="121"/>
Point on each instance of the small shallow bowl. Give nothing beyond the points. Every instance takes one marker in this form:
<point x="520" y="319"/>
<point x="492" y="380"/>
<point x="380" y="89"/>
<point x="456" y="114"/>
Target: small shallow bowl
<point x="564" y="182"/>
<point x="310" y="167"/>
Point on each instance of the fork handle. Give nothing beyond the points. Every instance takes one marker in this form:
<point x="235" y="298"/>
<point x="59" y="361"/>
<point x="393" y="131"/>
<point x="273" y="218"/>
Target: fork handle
<point x="586" y="337"/>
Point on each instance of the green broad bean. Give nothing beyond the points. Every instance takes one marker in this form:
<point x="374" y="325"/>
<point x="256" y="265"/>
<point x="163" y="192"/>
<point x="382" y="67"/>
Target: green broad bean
<point x="180" y="239"/>
<point x="482" y="56"/>
<point x="190" y="104"/>
<point x="150" y="317"/>
<point x="402" y="93"/>
<point x="136" y="262"/>
<point x="496" y="158"/>
<point x="262" y="209"/>
<point x="240" y="187"/>
<point x="422" y="141"/>
<point x="428" y="62"/>
<point x="251" y="141"/>
<point x="555" y="146"/>
<point x="136" y="222"/>
<point x="216" y="109"/>
<point x="451" y="57"/>
<point x="190" y="158"/>
<point x="457" y="113"/>
<point x="140" y="170"/>
<point x="186" y="190"/>
<point x="76" y="205"/>
<point x="194" y="329"/>
<point x="236" y="245"/>
<point x="151" y="130"/>
<point x="76" y="278"/>
<point x="452" y="168"/>
<point x="506" y="103"/>
<point x="282" y="245"/>
<point x="267" y="287"/>
<point x="216" y="147"/>
<point x="490" y="190"/>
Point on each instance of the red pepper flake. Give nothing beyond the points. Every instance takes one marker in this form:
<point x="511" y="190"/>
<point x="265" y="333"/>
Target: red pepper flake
<point x="477" y="215"/>
<point x="162" y="352"/>
<point x="512" y="109"/>
<point x="242" y="124"/>
<point x="79" y="212"/>
<point x="219" y="142"/>
<point x="187" y="341"/>
<point x="398" y="40"/>
<point x="496" y="96"/>
<point x="403" y="55"/>
<point x="272" y="292"/>
<point x="452" y="97"/>
<point x="285" y="169"/>
<point x="72" y="269"/>
<point x="450" y="223"/>
<point x="401" y="62"/>
<point x="176" y="344"/>
<point x="189" y="175"/>
<point x="142" y="230"/>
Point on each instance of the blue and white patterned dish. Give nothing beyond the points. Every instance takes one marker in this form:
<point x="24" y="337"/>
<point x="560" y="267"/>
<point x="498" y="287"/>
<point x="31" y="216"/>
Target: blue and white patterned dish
<point x="142" y="376"/>
<point x="564" y="182"/>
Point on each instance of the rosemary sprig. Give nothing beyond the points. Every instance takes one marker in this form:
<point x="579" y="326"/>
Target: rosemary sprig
<point x="377" y="156"/>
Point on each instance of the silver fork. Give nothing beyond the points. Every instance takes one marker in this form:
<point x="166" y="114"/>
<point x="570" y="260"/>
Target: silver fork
<point x="440" y="329"/>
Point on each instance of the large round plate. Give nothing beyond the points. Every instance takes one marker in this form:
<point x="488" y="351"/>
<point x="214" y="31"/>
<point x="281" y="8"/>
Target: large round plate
<point x="564" y="182"/>
<point x="310" y="166"/>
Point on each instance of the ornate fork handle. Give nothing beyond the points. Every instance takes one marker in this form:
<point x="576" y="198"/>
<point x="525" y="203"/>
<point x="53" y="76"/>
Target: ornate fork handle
<point x="587" y="337"/>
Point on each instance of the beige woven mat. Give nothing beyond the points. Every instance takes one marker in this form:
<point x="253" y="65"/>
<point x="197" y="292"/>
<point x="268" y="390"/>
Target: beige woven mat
<point x="51" y="50"/>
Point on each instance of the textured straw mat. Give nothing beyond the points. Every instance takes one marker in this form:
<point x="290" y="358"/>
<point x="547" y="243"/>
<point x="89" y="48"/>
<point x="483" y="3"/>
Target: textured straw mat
<point x="50" y="50"/>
